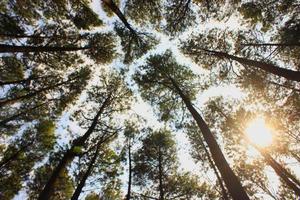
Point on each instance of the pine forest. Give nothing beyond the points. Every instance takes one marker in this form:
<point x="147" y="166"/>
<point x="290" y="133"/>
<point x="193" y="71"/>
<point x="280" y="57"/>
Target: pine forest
<point x="149" y="99"/>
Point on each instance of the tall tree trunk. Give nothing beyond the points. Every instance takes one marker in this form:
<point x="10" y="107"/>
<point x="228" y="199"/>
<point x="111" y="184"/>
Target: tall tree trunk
<point x="86" y="175"/>
<point x="272" y="44"/>
<point x="232" y="182"/>
<point x="70" y="155"/>
<point x="213" y="166"/>
<point x="4" y="48"/>
<point x="128" y="196"/>
<point x="111" y="4"/>
<point x="273" y="69"/>
<point x="286" y="176"/>
<point x="160" y="171"/>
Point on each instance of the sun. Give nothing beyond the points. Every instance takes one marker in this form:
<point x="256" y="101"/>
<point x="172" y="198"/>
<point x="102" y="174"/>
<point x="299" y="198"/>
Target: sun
<point x="258" y="132"/>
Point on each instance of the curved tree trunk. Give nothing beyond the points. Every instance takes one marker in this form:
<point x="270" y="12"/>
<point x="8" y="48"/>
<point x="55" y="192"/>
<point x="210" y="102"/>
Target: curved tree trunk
<point x="232" y="182"/>
<point x="273" y="69"/>
<point x="70" y="155"/>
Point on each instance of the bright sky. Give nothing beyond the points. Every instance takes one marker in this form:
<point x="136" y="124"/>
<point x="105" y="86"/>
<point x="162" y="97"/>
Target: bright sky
<point x="144" y="109"/>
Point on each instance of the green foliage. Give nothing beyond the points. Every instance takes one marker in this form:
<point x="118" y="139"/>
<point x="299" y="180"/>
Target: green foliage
<point x="144" y="11"/>
<point x="154" y="81"/>
<point x="92" y="196"/>
<point x="11" y="69"/>
<point x="85" y="18"/>
<point x="9" y="25"/>
<point x="41" y="90"/>
<point x="179" y="16"/>
<point x="102" y="48"/>
<point x="64" y="185"/>
<point x="134" y="45"/>
<point x="107" y="9"/>
<point x="156" y="166"/>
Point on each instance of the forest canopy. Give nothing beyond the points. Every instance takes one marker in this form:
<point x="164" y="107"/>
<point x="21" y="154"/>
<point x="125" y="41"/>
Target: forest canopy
<point x="157" y="99"/>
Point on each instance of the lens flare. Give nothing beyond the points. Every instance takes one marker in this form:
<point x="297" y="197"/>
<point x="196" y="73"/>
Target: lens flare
<point x="258" y="133"/>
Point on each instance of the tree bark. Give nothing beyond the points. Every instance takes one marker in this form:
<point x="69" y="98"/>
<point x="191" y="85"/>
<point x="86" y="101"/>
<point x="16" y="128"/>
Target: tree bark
<point x="213" y="166"/>
<point x="271" y="44"/>
<point x="232" y="182"/>
<point x="160" y="171"/>
<point x="111" y="4"/>
<point x="86" y="175"/>
<point x="23" y="36"/>
<point x="286" y="176"/>
<point x="270" y="68"/>
<point x="128" y="196"/>
<point x="4" y="48"/>
<point x="70" y="155"/>
<point x="26" y="80"/>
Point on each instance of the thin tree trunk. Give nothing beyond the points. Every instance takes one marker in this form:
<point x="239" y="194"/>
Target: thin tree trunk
<point x="111" y="4"/>
<point x="273" y="69"/>
<point x="70" y="155"/>
<point x="23" y="36"/>
<point x="232" y="182"/>
<point x="128" y="196"/>
<point x="287" y="177"/>
<point x="160" y="171"/>
<point x="4" y="48"/>
<point x="26" y="80"/>
<point x="4" y="102"/>
<point x="85" y="176"/>
<point x="296" y="156"/>
<point x="11" y="118"/>
<point x="271" y="44"/>
<point x="14" y="156"/>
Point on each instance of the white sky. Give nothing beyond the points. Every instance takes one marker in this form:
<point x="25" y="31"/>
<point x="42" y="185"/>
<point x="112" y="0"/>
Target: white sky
<point x="144" y="109"/>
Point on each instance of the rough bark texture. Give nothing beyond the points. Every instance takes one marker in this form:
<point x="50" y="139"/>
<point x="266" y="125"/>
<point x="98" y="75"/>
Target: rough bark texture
<point x="273" y="69"/>
<point x="232" y="182"/>
<point x="160" y="171"/>
<point x="128" y="196"/>
<point x="111" y="4"/>
<point x="81" y="184"/>
<point x="286" y="176"/>
<point x="213" y="166"/>
<point x="70" y="155"/>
